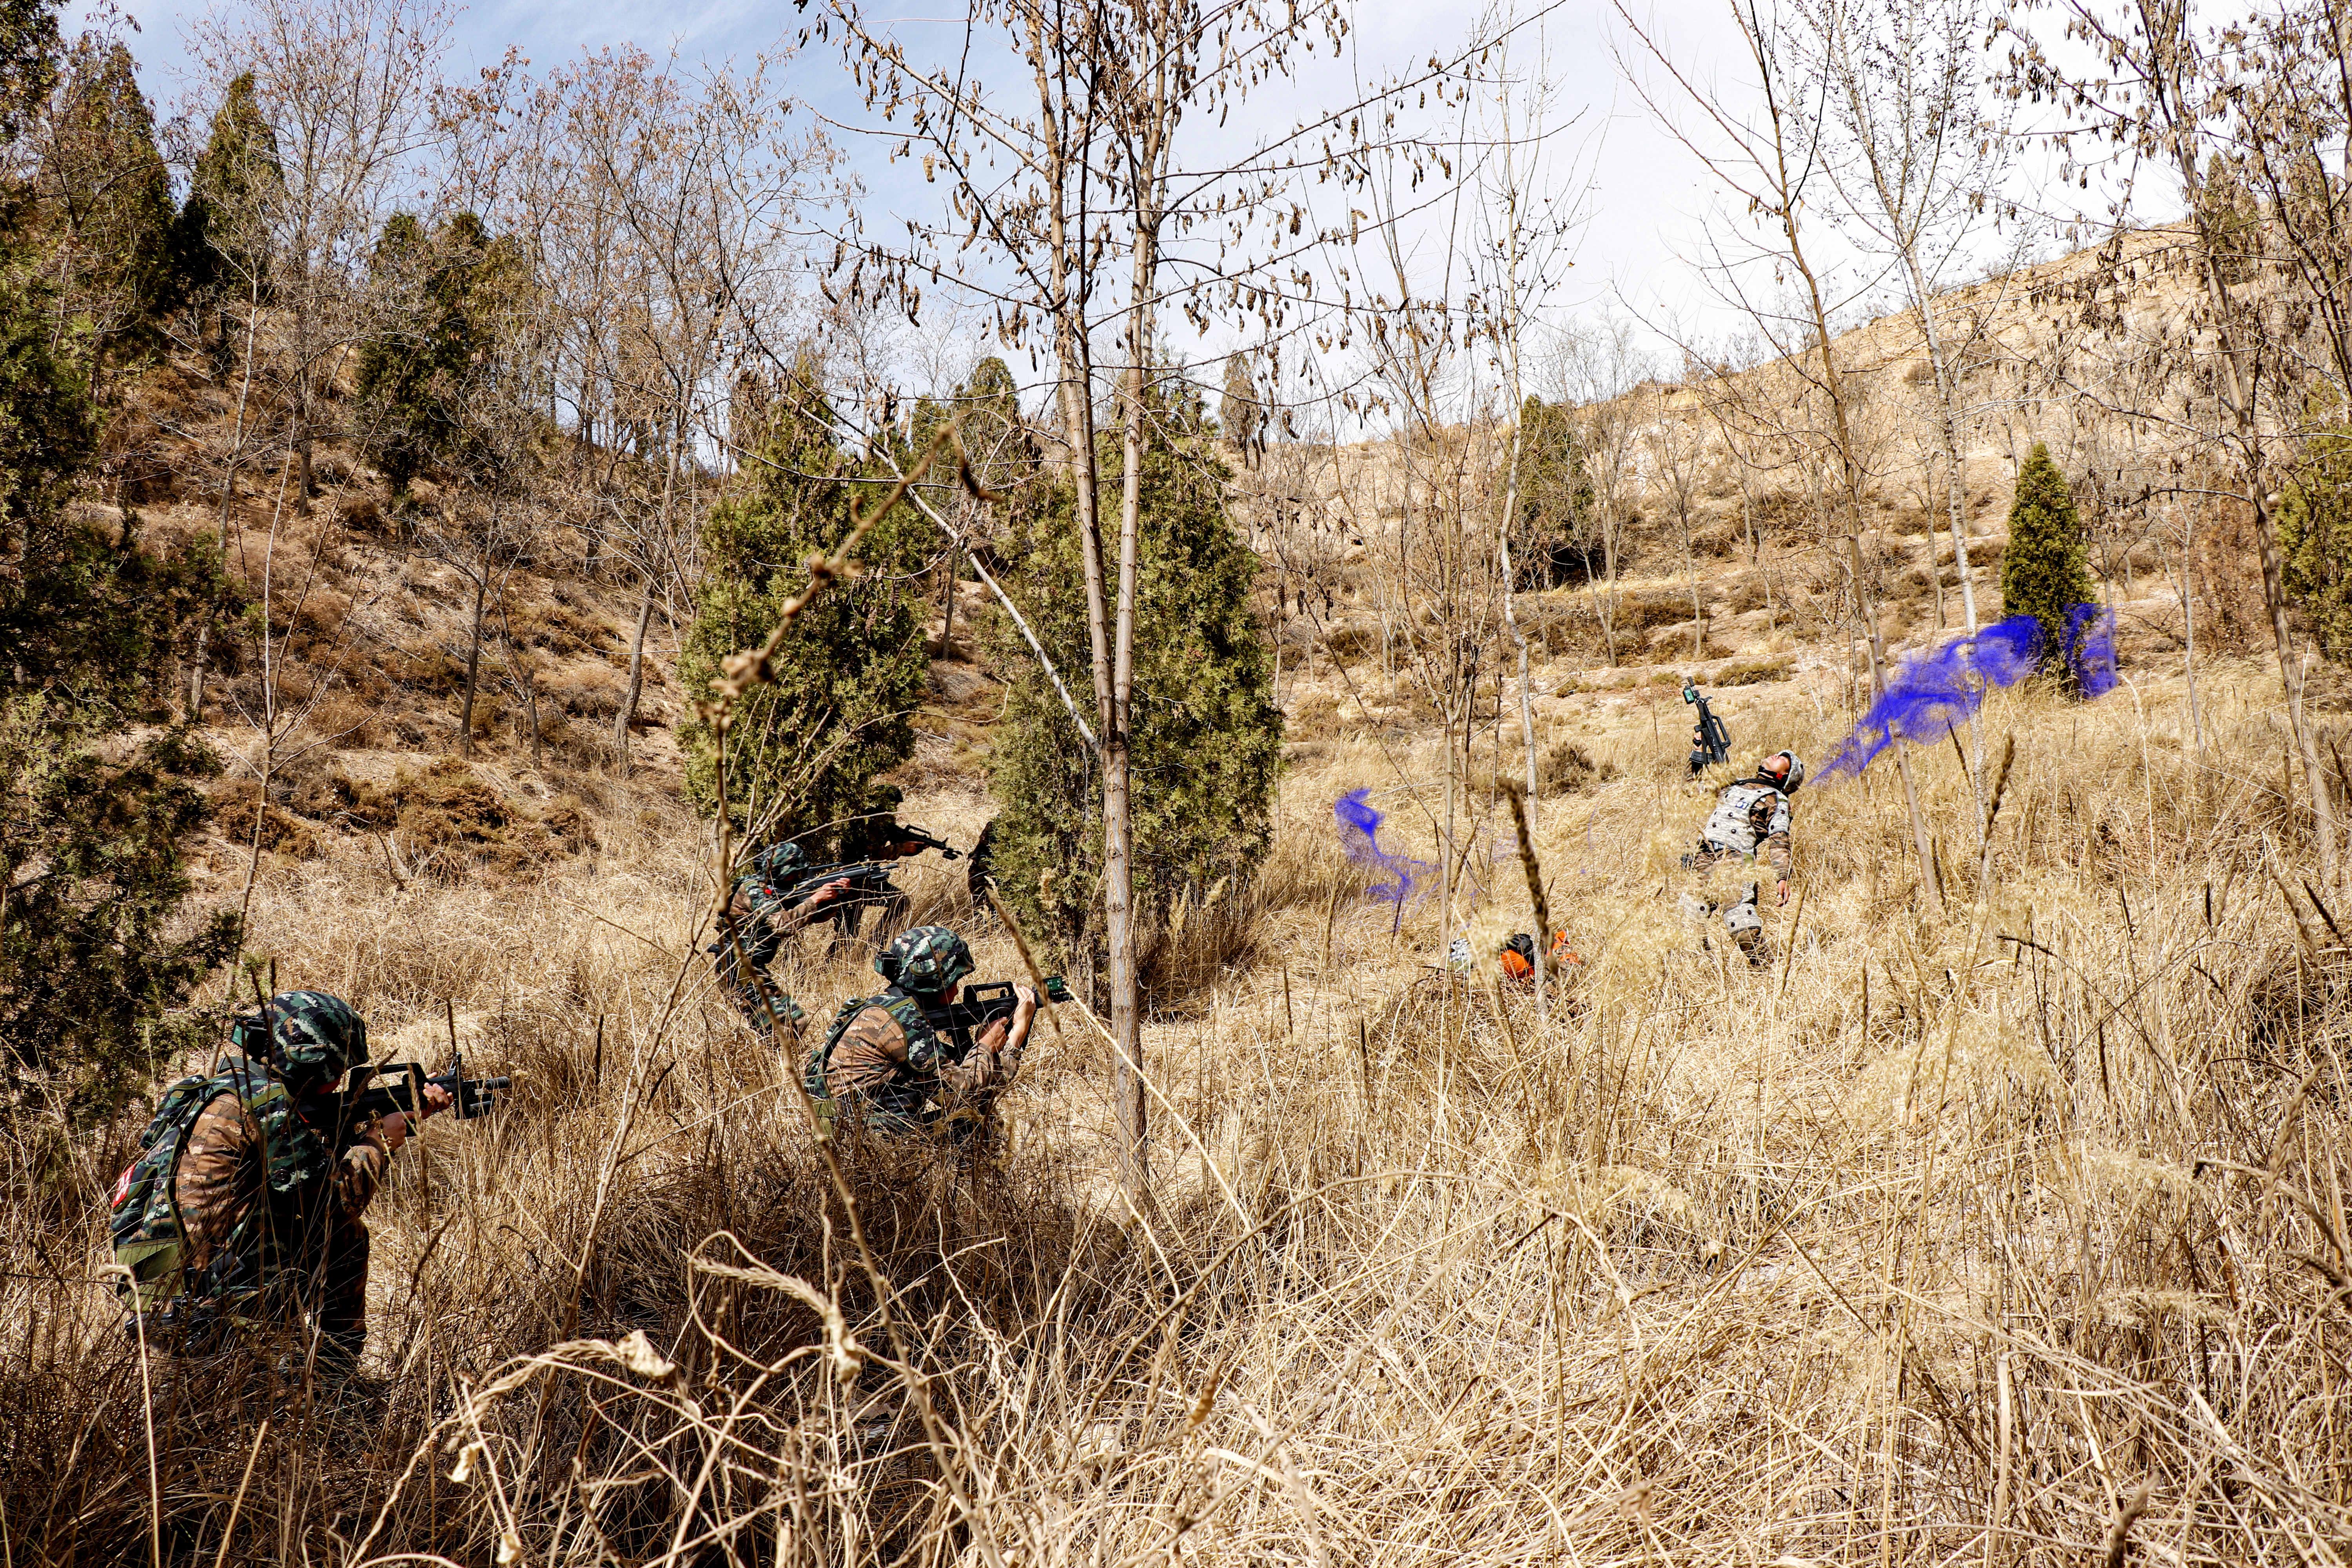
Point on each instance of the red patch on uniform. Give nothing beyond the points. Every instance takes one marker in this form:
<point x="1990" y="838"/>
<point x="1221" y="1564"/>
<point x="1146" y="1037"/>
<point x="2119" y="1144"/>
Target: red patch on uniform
<point x="122" y="1187"/>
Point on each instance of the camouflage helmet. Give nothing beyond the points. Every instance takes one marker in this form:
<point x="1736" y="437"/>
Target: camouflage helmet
<point x="925" y="960"/>
<point x="781" y="862"/>
<point x="306" y="1035"/>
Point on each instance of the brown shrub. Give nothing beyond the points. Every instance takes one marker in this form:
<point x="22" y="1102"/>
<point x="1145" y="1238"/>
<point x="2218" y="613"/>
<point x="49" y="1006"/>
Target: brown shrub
<point x="360" y="512"/>
<point x="1315" y="716"/>
<point x="590" y="691"/>
<point x="1747" y="672"/>
<point x="234" y="810"/>
<point x="1349" y="641"/>
<point x="1566" y="767"/>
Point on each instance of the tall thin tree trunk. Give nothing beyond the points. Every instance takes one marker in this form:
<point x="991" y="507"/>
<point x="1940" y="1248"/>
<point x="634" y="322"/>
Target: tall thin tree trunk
<point x="628" y="713"/>
<point x="2239" y="383"/>
<point x="473" y="665"/>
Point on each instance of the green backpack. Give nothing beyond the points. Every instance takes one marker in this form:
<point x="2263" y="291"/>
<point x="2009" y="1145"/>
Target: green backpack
<point x="145" y="1225"/>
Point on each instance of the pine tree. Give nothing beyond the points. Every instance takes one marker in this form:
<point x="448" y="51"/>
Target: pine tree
<point x="803" y="750"/>
<point x="220" y="241"/>
<point x="2043" y="572"/>
<point x="2315" y="534"/>
<point x="106" y="200"/>
<point x="28" y="62"/>
<point x="1207" y="739"/>
<point x="1555" y="495"/>
<point x="431" y="376"/>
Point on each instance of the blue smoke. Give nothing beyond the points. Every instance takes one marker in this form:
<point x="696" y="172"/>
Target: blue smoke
<point x="2091" y="648"/>
<point x="1359" y="829"/>
<point x="1931" y="695"/>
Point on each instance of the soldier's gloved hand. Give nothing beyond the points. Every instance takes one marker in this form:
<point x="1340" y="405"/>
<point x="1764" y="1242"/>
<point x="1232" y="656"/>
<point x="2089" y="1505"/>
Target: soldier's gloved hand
<point x="1782" y="898"/>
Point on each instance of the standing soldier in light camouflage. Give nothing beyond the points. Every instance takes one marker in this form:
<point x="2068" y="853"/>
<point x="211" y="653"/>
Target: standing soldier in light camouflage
<point x="1750" y="820"/>
<point x="764" y="906"/>
<point x="888" y="1061"/>
<point x="243" y="1215"/>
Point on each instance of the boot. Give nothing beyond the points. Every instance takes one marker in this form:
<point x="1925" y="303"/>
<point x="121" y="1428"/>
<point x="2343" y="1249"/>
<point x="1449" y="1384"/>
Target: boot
<point x="1751" y="942"/>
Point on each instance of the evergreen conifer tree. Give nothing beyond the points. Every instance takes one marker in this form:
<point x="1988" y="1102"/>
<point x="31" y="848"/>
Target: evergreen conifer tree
<point x="1207" y="740"/>
<point x="220" y="241"/>
<point x="107" y="202"/>
<point x="803" y="750"/>
<point x="1555" y="495"/>
<point x="430" y="378"/>
<point x="2043" y="572"/>
<point x="2315" y="534"/>
<point x="28" y="62"/>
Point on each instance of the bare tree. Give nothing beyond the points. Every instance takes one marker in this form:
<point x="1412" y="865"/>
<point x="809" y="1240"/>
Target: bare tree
<point x="660" y="205"/>
<point x="1771" y="161"/>
<point x="1598" y="370"/>
<point x="1080" y="220"/>
<point x="347" y="90"/>
<point x="1675" y="439"/>
<point x="2163" y="87"/>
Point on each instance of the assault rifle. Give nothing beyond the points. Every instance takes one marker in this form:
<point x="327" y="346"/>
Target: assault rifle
<point x="917" y="835"/>
<point x="1712" y="741"/>
<point x="978" y="1006"/>
<point x="387" y="1087"/>
<point x="866" y="879"/>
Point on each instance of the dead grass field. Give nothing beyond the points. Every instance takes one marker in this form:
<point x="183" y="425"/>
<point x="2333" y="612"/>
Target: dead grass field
<point x="2016" y="1237"/>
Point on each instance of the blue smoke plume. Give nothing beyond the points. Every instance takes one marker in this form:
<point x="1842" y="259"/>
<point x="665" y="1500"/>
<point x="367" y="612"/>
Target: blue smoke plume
<point x="1359" y="829"/>
<point x="2091" y="648"/>
<point x="1936" y="692"/>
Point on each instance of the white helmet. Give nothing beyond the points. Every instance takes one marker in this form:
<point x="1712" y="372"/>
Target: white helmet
<point x="1789" y="775"/>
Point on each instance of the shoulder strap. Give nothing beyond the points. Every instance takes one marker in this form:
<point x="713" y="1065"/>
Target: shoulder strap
<point x="820" y="1060"/>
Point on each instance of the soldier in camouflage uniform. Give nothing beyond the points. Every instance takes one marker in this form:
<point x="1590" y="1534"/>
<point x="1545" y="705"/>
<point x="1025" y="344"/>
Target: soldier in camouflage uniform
<point x="761" y="911"/>
<point x="244" y="1212"/>
<point x="888" y="1061"/>
<point x="877" y="836"/>
<point x="1751" y="819"/>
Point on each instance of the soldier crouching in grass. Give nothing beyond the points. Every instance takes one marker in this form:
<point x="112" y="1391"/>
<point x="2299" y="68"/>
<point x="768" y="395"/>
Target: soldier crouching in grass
<point x="889" y="1064"/>
<point x="243" y="1217"/>
<point x="1750" y="821"/>
<point x="767" y="904"/>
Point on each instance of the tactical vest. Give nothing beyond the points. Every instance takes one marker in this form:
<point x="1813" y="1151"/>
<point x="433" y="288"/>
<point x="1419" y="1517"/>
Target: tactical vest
<point x="147" y="1231"/>
<point x="1745" y="815"/>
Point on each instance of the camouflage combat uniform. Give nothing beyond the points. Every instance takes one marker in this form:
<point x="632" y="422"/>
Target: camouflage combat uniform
<point x="887" y="1060"/>
<point x="242" y="1213"/>
<point x="1750" y="820"/>
<point x="761" y="913"/>
<point x="884" y="1057"/>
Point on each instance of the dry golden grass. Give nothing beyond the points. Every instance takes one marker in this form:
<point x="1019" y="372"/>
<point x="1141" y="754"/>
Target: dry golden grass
<point x="2012" y="1237"/>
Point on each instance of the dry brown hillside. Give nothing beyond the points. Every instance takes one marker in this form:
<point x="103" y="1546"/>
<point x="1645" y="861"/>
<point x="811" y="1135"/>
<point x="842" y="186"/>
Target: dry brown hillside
<point x="2011" y="1236"/>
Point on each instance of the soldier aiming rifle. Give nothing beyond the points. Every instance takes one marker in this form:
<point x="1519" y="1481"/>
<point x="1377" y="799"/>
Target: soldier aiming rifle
<point x="871" y="842"/>
<point x="918" y="1053"/>
<point x="243" y="1215"/>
